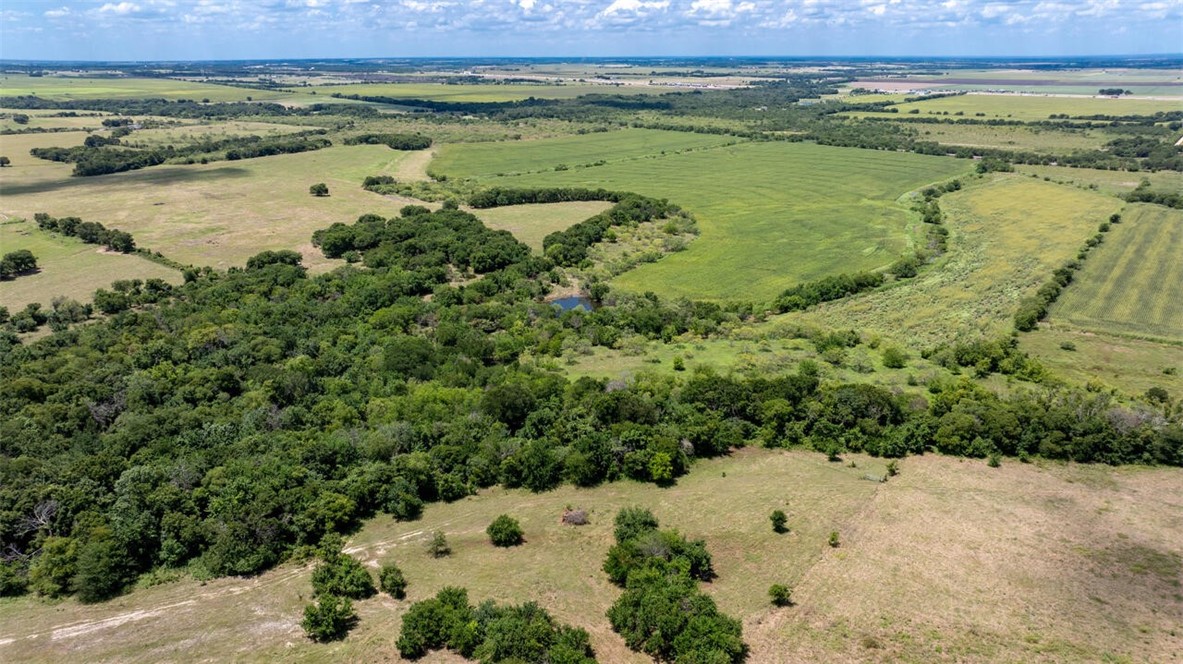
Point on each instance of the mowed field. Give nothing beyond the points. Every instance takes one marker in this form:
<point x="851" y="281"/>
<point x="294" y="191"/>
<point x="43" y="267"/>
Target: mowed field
<point x="938" y="564"/>
<point x="532" y="223"/>
<point x="1035" y="107"/>
<point x="67" y="267"/>
<point x="478" y="92"/>
<point x="1006" y="236"/>
<point x="1133" y="282"/>
<point x="216" y="214"/>
<point x="771" y="214"/>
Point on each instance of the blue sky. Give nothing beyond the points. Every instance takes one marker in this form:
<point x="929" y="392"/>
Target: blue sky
<point x="236" y="29"/>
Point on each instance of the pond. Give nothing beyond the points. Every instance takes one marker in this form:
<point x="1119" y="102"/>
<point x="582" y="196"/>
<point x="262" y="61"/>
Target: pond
<point x="573" y="302"/>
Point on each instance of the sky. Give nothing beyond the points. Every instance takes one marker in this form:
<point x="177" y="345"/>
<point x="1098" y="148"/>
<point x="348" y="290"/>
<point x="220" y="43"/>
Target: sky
<point x="270" y="29"/>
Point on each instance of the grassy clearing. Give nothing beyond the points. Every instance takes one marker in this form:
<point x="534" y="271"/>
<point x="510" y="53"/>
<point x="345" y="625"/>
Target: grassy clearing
<point x="497" y="159"/>
<point x="1006" y="235"/>
<point x="68" y="267"/>
<point x="1035" y="107"/>
<point x="77" y="87"/>
<point x="189" y="133"/>
<point x="1131" y="366"/>
<point x="1014" y="138"/>
<point x="771" y="214"/>
<point x="532" y="223"/>
<point x="478" y="92"/>
<point x="1109" y="182"/>
<point x="1133" y="283"/>
<point x="934" y="565"/>
<point x="40" y="119"/>
<point x="216" y="214"/>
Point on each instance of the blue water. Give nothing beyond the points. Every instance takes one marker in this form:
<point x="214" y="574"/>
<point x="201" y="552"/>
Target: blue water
<point x="573" y="302"/>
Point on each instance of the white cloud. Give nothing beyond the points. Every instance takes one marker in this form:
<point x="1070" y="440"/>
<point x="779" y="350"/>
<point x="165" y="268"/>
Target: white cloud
<point x="121" y="8"/>
<point x="635" y="7"/>
<point x="58" y="13"/>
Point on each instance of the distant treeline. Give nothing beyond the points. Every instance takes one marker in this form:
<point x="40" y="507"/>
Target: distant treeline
<point x="90" y="232"/>
<point x="187" y="108"/>
<point x="1147" y="194"/>
<point x="393" y="141"/>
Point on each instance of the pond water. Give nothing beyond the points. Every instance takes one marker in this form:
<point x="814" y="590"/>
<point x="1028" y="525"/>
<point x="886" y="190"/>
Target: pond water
<point x="573" y="302"/>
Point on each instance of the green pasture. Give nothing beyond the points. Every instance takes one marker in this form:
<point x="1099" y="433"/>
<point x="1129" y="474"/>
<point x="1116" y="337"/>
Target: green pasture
<point x="216" y="214"/>
<point x="1109" y="182"/>
<point x="498" y="159"/>
<point x="1133" y="282"/>
<point x="1027" y="139"/>
<point x="183" y="134"/>
<point x="1006" y="236"/>
<point x="532" y="223"/>
<point x="77" y="87"/>
<point x="67" y="267"/>
<point x="40" y="119"/>
<point x="1085" y="357"/>
<point x="771" y="214"/>
<point x="477" y="92"/>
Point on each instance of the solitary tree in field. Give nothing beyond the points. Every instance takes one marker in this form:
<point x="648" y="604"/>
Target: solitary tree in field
<point x="504" y="531"/>
<point x="779" y="519"/>
<point x="319" y="189"/>
<point x="5" y="161"/>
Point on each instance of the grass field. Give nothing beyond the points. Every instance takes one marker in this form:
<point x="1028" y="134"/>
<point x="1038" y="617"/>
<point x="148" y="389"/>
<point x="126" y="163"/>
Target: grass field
<point x="189" y="133"/>
<point x="478" y="92"/>
<point x="770" y="214"/>
<point x="1133" y="283"/>
<point x="77" y="87"/>
<point x="496" y="159"/>
<point x="216" y="214"/>
<point x="39" y="119"/>
<point x="934" y="566"/>
<point x="1013" y="138"/>
<point x="532" y="223"/>
<point x="1006" y="237"/>
<point x="1035" y="107"/>
<point x="67" y="267"/>
<point x="1109" y="182"/>
<point x="1131" y="366"/>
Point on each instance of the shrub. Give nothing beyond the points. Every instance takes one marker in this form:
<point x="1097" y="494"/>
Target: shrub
<point x="779" y="519"/>
<point x="780" y="595"/>
<point x="319" y="189"/>
<point x="894" y="358"/>
<point x="834" y="539"/>
<point x="329" y="619"/>
<point x="631" y="522"/>
<point x="504" y="531"/>
<point x="392" y="581"/>
<point x="437" y="546"/>
<point x="893" y="468"/>
<point x="995" y="460"/>
<point x="344" y="576"/>
<point x="1067" y="345"/>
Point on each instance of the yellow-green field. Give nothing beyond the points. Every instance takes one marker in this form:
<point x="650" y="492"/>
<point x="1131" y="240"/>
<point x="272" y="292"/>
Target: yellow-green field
<point x="477" y="92"/>
<point x="67" y="267"/>
<point x="1109" y="182"/>
<point x="1128" y="365"/>
<point x="532" y="223"/>
<point x="40" y="119"/>
<point x="1133" y="282"/>
<point x="1033" y="107"/>
<point x="1006" y="236"/>
<point x="216" y="214"/>
<point x="770" y="214"/>
<point x="1033" y="139"/>
<point x="182" y="134"/>
<point x="934" y="566"/>
<point x="77" y="87"/>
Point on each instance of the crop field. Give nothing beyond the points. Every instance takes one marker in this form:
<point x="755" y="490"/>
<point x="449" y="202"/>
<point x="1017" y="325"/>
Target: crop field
<point x="1076" y="81"/>
<point x="532" y="223"/>
<point x="67" y="267"/>
<point x="498" y="159"/>
<point x="217" y="214"/>
<point x="1035" y="107"/>
<point x="478" y="92"/>
<point x="1132" y="283"/>
<point x="1105" y="586"/>
<point x="770" y="214"/>
<point x="1006" y="236"/>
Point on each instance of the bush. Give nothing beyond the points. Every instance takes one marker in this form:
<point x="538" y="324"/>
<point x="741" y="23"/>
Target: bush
<point x="504" y="531"/>
<point x="343" y="576"/>
<point x="632" y="522"/>
<point x="780" y="595"/>
<point x="438" y="545"/>
<point x="894" y="358"/>
<point x="319" y="189"/>
<point x="779" y="520"/>
<point x="834" y="539"/>
<point x="392" y="581"/>
<point x="329" y="619"/>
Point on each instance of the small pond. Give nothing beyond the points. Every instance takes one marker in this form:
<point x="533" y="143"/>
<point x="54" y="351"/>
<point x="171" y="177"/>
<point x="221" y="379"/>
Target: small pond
<point x="573" y="302"/>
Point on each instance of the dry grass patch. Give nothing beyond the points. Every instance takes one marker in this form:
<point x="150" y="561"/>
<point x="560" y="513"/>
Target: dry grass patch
<point x="532" y="223"/>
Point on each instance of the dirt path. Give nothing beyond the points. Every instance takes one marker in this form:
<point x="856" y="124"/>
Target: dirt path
<point x="414" y="167"/>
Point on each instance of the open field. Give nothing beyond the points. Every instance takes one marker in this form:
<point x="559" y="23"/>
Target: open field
<point x="1005" y="238"/>
<point x="216" y="214"/>
<point x="190" y="133"/>
<point x="1033" y="107"/>
<point x="532" y="223"/>
<point x="67" y="267"/>
<point x="1133" y="283"/>
<point x="40" y="119"/>
<point x="770" y="214"/>
<point x="477" y="92"/>
<point x="77" y="87"/>
<point x="1109" y="182"/>
<point x="928" y="569"/>
<point x="1086" y="81"/>
<point x="1031" y="139"/>
<point x="1131" y="366"/>
<point x="497" y="159"/>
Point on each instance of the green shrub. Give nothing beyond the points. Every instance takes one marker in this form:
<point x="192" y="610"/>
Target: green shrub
<point x="894" y="358"/>
<point x="504" y="531"/>
<point x="779" y="519"/>
<point x="632" y="522"/>
<point x="834" y="539"/>
<point x="392" y="581"/>
<point x="343" y="576"/>
<point x="780" y="595"/>
<point x="437" y="546"/>
<point x="329" y="619"/>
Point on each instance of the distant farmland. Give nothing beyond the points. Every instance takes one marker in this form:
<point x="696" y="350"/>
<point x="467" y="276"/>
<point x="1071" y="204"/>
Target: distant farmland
<point x="1132" y="283"/>
<point x="771" y="214"/>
